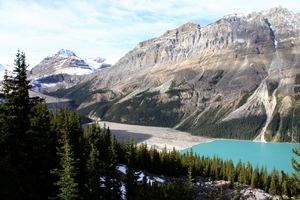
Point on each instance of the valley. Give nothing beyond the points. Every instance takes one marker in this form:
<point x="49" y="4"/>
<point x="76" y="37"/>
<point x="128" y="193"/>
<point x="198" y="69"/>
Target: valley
<point x="236" y="78"/>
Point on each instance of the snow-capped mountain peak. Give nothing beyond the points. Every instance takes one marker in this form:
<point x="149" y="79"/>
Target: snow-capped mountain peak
<point x="61" y="68"/>
<point x="66" y="53"/>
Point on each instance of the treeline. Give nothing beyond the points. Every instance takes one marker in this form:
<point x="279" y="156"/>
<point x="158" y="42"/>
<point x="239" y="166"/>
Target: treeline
<point x="47" y="155"/>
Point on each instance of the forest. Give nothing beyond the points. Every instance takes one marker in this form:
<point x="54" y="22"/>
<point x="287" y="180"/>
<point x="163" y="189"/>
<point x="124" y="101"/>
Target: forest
<point x="47" y="155"/>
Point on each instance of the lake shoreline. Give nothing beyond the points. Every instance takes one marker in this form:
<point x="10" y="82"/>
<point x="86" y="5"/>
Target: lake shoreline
<point x="158" y="137"/>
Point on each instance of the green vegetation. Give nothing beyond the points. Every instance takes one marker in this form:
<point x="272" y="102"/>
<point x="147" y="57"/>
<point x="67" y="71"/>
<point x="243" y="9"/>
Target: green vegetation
<point x="100" y="108"/>
<point x="296" y="175"/>
<point x="79" y="93"/>
<point x="47" y="155"/>
<point x="296" y="124"/>
<point x="274" y="125"/>
<point x="208" y="125"/>
<point x="242" y="128"/>
<point x="246" y="95"/>
<point x="285" y="125"/>
<point x="145" y="109"/>
<point x="26" y="150"/>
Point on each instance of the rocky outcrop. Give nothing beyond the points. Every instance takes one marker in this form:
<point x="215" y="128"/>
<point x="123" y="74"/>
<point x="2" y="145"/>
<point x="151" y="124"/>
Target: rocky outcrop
<point x="243" y="65"/>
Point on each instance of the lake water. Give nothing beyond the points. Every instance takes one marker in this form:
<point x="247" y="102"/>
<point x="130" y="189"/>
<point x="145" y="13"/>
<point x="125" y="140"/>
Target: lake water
<point x="272" y="155"/>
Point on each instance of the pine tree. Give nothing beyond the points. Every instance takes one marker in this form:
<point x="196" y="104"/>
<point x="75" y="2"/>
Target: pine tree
<point x="42" y="150"/>
<point x="275" y="183"/>
<point x="286" y="189"/>
<point x="265" y="179"/>
<point x="16" y="138"/>
<point x="131" y="178"/>
<point x="248" y="174"/>
<point x="296" y="175"/>
<point x="190" y="181"/>
<point x="112" y="183"/>
<point x="255" y="178"/>
<point x="67" y="125"/>
<point x="92" y="138"/>
<point x="230" y="173"/>
<point x="68" y="186"/>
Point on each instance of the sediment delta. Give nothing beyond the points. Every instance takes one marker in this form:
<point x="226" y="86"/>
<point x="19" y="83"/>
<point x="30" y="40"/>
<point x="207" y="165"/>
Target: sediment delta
<point x="158" y="137"/>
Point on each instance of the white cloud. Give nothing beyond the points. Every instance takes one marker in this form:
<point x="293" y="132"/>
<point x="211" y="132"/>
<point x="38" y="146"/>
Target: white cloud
<point x="104" y="28"/>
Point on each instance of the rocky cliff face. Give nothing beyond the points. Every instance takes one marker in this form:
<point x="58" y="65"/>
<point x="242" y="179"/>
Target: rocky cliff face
<point x="241" y="71"/>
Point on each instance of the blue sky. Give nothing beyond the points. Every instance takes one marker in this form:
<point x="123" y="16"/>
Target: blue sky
<point x="105" y="28"/>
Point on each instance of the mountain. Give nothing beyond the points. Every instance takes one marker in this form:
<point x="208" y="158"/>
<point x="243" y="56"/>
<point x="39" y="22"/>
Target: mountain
<point x="236" y="78"/>
<point x="63" y="69"/>
<point x="4" y="67"/>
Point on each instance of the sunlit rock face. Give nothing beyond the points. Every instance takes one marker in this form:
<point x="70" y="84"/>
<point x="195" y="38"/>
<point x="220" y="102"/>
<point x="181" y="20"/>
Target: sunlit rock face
<point x="242" y="65"/>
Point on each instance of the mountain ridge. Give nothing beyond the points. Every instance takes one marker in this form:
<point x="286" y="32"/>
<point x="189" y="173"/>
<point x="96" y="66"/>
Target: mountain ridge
<point x="240" y="71"/>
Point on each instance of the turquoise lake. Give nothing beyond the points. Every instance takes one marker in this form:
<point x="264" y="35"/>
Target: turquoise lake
<point x="272" y="155"/>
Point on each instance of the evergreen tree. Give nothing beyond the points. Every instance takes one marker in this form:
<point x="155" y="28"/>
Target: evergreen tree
<point x="248" y="174"/>
<point x="275" y="183"/>
<point x="190" y="181"/>
<point x="296" y="175"/>
<point x="286" y="190"/>
<point x="42" y="150"/>
<point x="115" y="177"/>
<point x="67" y="184"/>
<point x="19" y="157"/>
<point x="255" y="178"/>
<point x="112" y="182"/>
<point x="143" y="156"/>
<point x="230" y="174"/>
<point x="131" y="177"/>
<point x="67" y="126"/>
<point x="92" y="138"/>
<point x="265" y="180"/>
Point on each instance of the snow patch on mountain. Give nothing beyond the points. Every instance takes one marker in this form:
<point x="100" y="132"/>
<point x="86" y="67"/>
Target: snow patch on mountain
<point x="4" y="67"/>
<point x="96" y="63"/>
<point x="75" y="71"/>
<point x="79" y="66"/>
<point x="66" y="53"/>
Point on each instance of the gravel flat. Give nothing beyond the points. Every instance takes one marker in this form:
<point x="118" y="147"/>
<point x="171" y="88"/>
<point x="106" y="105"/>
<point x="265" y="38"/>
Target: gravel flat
<point x="159" y="137"/>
